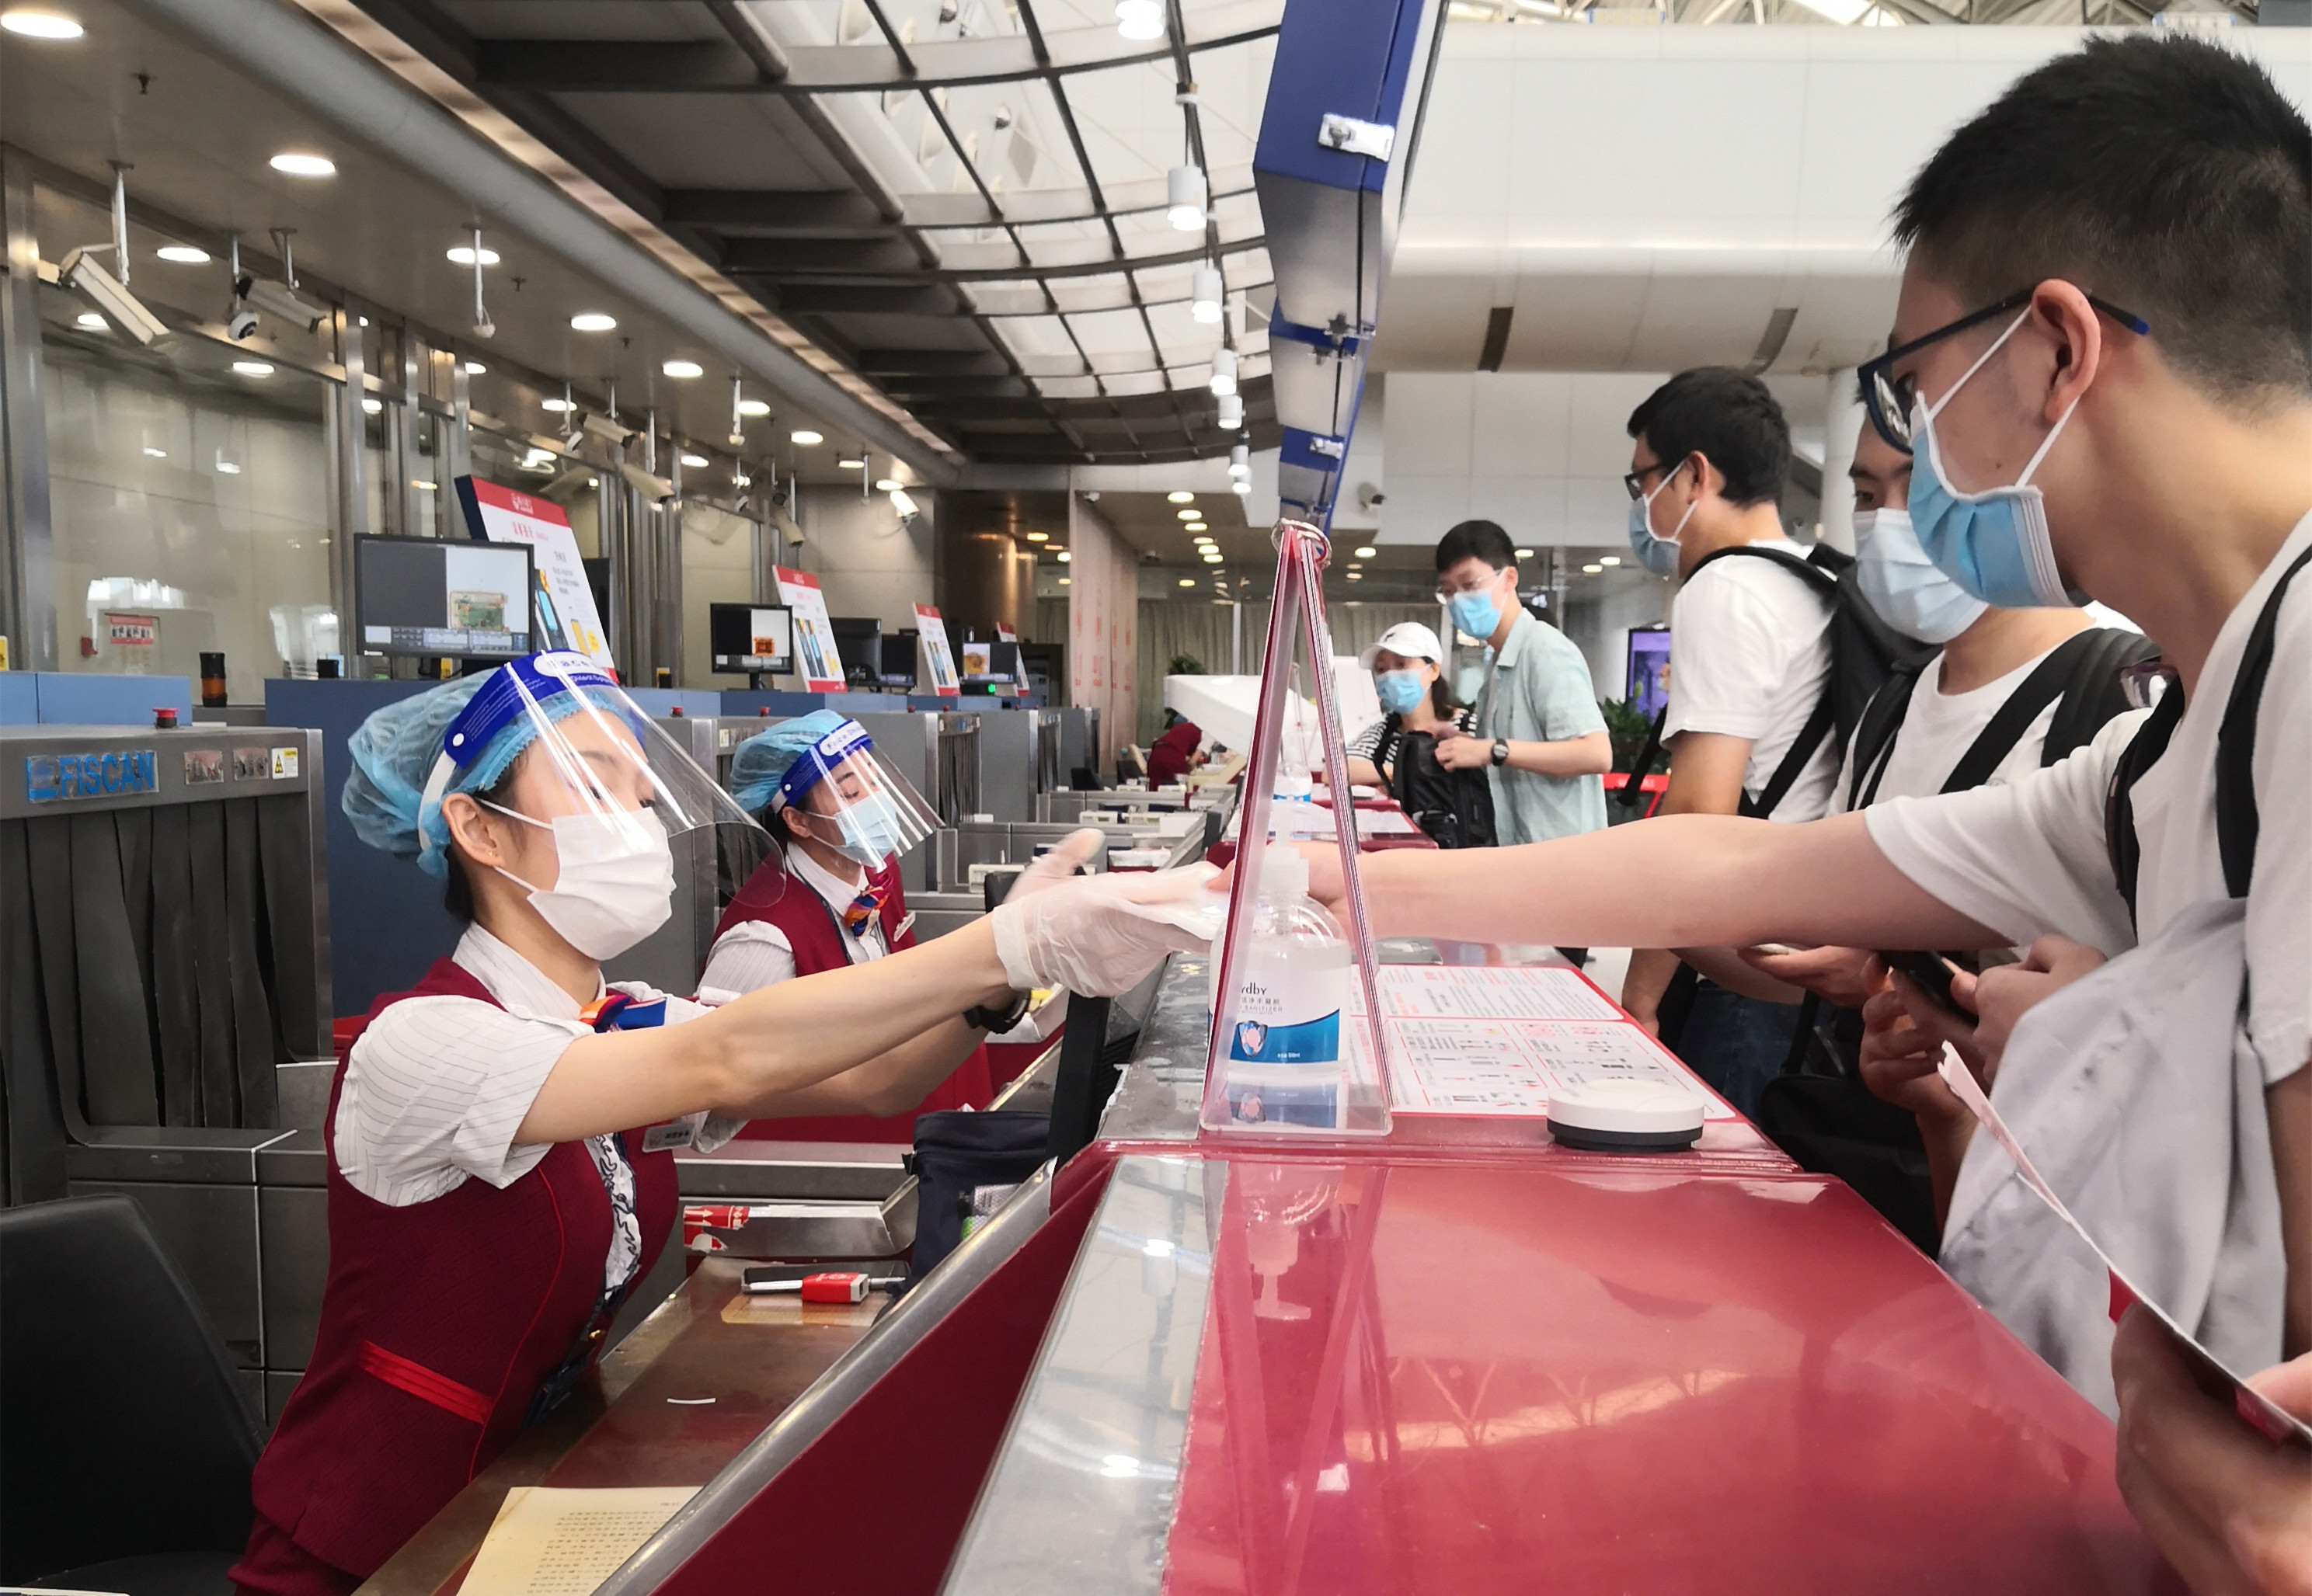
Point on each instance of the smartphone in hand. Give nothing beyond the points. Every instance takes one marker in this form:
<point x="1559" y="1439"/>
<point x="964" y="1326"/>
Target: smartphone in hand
<point x="1932" y="973"/>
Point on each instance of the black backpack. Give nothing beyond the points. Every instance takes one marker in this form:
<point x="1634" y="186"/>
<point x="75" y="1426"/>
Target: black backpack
<point x="1454" y="807"/>
<point x="1865" y="654"/>
<point x="1818" y="1110"/>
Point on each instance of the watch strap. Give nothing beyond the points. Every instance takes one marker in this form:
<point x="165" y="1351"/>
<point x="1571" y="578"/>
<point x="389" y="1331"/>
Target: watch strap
<point x="995" y="1020"/>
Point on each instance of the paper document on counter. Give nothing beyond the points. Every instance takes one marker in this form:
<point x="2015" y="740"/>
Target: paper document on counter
<point x="1489" y="992"/>
<point x="552" y="1542"/>
<point x="1510" y="1067"/>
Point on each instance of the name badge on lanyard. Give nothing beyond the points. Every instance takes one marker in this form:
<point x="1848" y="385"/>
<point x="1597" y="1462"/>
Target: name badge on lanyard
<point x="674" y="1133"/>
<point x="617" y="1011"/>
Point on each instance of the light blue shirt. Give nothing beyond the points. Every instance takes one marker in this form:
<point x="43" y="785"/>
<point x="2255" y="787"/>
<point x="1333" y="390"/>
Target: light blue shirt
<point x="1539" y="690"/>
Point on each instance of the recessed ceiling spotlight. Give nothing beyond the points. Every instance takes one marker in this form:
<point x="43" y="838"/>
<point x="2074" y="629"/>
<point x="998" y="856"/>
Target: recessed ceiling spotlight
<point x="1214" y="558"/>
<point x="695" y="462"/>
<point x="183" y="254"/>
<point x="1591" y="569"/>
<point x="1139" y="20"/>
<point x="92" y="321"/>
<point x="1187" y="582"/>
<point x="373" y="406"/>
<point x="251" y="369"/>
<point x="754" y="407"/>
<point x="1202" y="538"/>
<point x="1610" y="559"/>
<point x="1065" y="558"/>
<point x="1180" y="496"/>
<point x="155" y="454"/>
<point x="858" y="465"/>
<point x="1367" y="553"/>
<point x="593" y="321"/>
<point x="1037" y="537"/>
<point x="1525" y="554"/>
<point x="475" y="369"/>
<point x="805" y="437"/>
<point x="556" y="404"/>
<point x="685" y="369"/>
<point x="56" y="25"/>
<point x="1065" y="580"/>
<point x="1356" y="576"/>
<point x="1197" y="526"/>
<point x="888" y="485"/>
<point x="463" y="255"/>
<point x="297" y="164"/>
<point x="1191" y="514"/>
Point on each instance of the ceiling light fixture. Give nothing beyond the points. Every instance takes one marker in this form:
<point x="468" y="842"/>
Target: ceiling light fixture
<point x="155" y="454"/>
<point x="1525" y="554"/>
<point x="754" y="407"/>
<point x="683" y="371"/>
<point x="1065" y="581"/>
<point x="92" y="321"/>
<point x="1187" y="582"/>
<point x="373" y="406"/>
<point x="475" y="369"/>
<point x="1191" y="514"/>
<point x="226" y="468"/>
<point x="183" y="254"/>
<point x="557" y="405"/>
<point x="858" y="465"/>
<point x="463" y="255"/>
<point x="57" y="27"/>
<point x="1231" y="419"/>
<point x="1184" y="192"/>
<point x="298" y="164"/>
<point x="805" y="437"/>
<point x="695" y="462"/>
<point x="1224" y="381"/>
<point x="1356" y="576"/>
<point x="251" y="369"/>
<point x="1591" y="569"/>
<point x="1240" y="460"/>
<point x="1609" y="560"/>
<point x="1213" y="558"/>
<point x="1202" y="538"/>
<point x="1065" y="558"/>
<point x="593" y="321"/>
<point x="1204" y="297"/>
<point x="1179" y="496"/>
<point x="1367" y="552"/>
<point x="886" y="485"/>
<point x="1139" y="20"/>
<point x="1037" y="537"/>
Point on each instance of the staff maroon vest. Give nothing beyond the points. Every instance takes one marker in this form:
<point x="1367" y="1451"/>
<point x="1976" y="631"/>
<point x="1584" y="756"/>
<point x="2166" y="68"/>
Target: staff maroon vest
<point x="439" y="1322"/>
<point x="779" y="898"/>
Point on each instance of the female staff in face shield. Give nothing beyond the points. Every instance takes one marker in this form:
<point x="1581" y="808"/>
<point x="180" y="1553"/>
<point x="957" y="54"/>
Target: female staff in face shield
<point x="831" y="897"/>
<point x="500" y="1136"/>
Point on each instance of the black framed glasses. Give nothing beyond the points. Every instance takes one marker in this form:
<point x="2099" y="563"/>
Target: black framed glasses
<point x="1635" y="480"/>
<point x="1887" y="397"/>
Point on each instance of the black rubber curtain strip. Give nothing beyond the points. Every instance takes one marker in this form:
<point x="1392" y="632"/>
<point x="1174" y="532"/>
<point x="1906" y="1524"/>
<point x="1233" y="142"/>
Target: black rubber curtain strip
<point x="176" y="978"/>
<point x="49" y="851"/>
<point x="116" y="1045"/>
<point x="255" y="1047"/>
<point x="213" y="973"/>
<point x="36" y="1120"/>
<point x="287" y="856"/>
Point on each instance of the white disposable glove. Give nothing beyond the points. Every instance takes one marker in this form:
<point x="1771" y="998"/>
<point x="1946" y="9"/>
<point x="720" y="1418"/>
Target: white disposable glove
<point x="1100" y="936"/>
<point x="1076" y="848"/>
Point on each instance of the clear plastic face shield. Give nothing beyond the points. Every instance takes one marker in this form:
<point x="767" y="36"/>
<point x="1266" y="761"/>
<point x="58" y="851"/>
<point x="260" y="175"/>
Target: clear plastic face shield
<point x="553" y="742"/>
<point x="844" y="797"/>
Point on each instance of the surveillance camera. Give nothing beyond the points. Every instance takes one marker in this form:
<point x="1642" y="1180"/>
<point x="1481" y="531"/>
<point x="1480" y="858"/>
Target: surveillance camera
<point x="282" y="305"/>
<point x="1371" y="496"/>
<point x="240" y="322"/>
<point x="485" y="328"/>
<point x="606" y="429"/>
<point x="111" y="298"/>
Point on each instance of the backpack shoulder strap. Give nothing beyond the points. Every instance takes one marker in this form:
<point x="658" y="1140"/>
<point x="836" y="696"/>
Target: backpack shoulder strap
<point x="1825" y="713"/>
<point x="1821" y="580"/>
<point x="2093" y="695"/>
<point x="2005" y="728"/>
<point x="2237" y="822"/>
<point x="2143" y="752"/>
<point x="1629" y="794"/>
<point x="1874" y="735"/>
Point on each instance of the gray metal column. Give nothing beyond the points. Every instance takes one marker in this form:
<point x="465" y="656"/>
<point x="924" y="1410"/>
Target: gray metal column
<point x="28" y="613"/>
<point x="349" y="509"/>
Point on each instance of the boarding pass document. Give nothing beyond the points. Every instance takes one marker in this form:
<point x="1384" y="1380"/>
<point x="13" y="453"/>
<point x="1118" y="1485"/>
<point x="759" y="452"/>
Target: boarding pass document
<point x="551" y="1542"/>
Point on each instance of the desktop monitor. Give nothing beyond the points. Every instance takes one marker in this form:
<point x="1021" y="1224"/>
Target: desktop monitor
<point x="443" y="597"/>
<point x="898" y="662"/>
<point x="859" y="639"/>
<point x="751" y="639"/>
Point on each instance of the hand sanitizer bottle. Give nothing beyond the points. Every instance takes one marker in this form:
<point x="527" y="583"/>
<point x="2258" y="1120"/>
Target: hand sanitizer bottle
<point x="1292" y="984"/>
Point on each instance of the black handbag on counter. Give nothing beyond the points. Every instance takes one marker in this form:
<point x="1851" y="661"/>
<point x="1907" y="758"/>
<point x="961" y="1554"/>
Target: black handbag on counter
<point x="966" y="1164"/>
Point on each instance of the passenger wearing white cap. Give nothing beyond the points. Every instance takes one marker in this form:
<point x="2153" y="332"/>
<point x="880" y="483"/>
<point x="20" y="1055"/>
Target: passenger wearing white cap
<point x="1400" y="753"/>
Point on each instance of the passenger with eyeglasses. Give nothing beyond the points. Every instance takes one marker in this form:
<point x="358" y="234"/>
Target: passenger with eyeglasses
<point x="2102" y="368"/>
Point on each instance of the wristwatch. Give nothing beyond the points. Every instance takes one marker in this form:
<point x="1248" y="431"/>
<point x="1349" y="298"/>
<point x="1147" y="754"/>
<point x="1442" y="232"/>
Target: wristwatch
<point x="998" y="1020"/>
<point x="1500" y="751"/>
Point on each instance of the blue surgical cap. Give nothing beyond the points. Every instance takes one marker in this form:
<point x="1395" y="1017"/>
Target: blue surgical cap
<point x="395" y="750"/>
<point x="764" y="761"/>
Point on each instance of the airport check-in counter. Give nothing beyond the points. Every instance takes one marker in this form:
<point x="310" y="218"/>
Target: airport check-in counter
<point x="938" y="752"/>
<point x="1457" y="1357"/>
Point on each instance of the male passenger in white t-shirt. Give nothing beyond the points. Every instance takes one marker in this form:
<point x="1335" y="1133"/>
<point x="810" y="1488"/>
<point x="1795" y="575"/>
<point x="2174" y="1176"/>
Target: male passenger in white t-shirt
<point x="1750" y="658"/>
<point x="2164" y="428"/>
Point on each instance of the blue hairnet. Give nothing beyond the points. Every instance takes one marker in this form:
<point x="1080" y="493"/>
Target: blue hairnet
<point x="393" y="756"/>
<point x="764" y="760"/>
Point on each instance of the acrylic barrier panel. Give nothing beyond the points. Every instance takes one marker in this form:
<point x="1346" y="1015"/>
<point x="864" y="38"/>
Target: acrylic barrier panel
<point x="1296" y="1044"/>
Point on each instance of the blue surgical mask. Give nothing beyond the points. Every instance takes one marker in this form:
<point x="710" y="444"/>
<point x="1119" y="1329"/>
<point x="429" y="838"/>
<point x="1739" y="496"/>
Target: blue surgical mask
<point x="1476" y="614"/>
<point x="1657" y="554"/>
<point x="1903" y="585"/>
<point x="868" y="837"/>
<point x="1993" y="544"/>
<point x="1400" y="690"/>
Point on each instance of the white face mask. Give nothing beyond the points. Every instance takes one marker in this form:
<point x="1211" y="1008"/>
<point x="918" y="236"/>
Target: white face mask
<point x="616" y="880"/>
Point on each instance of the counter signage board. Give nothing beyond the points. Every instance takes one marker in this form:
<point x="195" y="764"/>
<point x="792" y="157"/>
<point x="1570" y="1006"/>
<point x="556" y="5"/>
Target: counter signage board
<point x="565" y="603"/>
<point x="815" y="656"/>
<point x="124" y="630"/>
<point x="937" y="667"/>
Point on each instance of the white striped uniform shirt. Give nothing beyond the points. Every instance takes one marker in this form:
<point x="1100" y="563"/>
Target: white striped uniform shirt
<point x="755" y="953"/>
<point x="437" y="1085"/>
